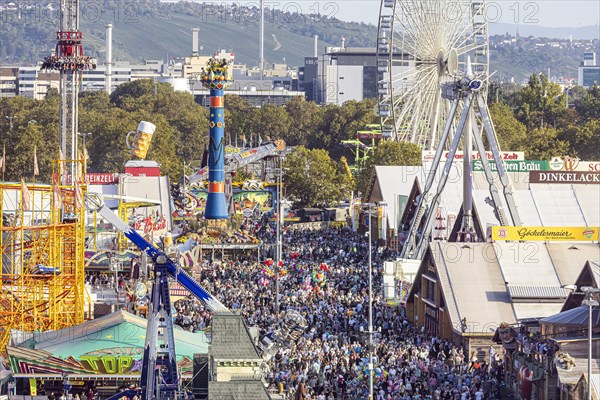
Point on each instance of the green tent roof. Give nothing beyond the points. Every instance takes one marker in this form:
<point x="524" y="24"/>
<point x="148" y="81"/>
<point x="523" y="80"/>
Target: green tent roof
<point x="117" y="333"/>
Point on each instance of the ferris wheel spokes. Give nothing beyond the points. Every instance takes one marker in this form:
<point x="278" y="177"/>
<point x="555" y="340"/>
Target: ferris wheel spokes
<point x="417" y="40"/>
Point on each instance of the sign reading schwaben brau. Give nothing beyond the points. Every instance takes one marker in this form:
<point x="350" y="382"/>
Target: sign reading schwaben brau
<point x="570" y="177"/>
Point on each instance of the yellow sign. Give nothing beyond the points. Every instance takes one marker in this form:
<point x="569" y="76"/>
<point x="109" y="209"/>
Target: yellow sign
<point x="32" y="386"/>
<point x="545" y="233"/>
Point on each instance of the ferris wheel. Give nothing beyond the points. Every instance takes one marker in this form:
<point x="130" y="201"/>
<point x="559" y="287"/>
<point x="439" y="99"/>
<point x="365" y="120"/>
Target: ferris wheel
<point x="421" y="44"/>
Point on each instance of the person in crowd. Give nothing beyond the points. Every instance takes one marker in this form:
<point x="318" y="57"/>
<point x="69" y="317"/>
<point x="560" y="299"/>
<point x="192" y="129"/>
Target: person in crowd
<point x="323" y="276"/>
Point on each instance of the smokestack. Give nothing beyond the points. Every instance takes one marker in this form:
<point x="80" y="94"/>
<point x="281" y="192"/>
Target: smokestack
<point x="261" y="45"/>
<point x="316" y="46"/>
<point x="195" y="46"/>
<point x="343" y="42"/>
<point x="108" y="71"/>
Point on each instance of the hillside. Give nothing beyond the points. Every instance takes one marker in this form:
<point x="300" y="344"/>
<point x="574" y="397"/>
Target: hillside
<point x="580" y="32"/>
<point x="148" y="29"/>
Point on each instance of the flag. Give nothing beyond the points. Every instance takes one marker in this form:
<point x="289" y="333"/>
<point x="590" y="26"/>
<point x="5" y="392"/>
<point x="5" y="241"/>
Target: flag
<point x="61" y="163"/>
<point x="26" y="197"/>
<point x="80" y="164"/>
<point x="78" y="196"/>
<point x="355" y="214"/>
<point x="259" y="140"/>
<point x="383" y="222"/>
<point x="36" y="170"/>
<point x="3" y="159"/>
<point x="56" y="195"/>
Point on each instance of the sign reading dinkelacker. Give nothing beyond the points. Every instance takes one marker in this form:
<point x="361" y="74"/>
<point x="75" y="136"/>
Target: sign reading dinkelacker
<point x="570" y="177"/>
<point x="544" y="233"/>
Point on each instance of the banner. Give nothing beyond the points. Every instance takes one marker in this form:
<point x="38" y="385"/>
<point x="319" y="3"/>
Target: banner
<point x="400" y="206"/>
<point x="32" y="386"/>
<point x="355" y="214"/>
<point x="573" y="164"/>
<point x="428" y="155"/>
<point x="382" y="220"/>
<point x="100" y="178"/>
<point x="514" y="166"/>
<point x="544" y="233"/>
<point x="590" y="178"/>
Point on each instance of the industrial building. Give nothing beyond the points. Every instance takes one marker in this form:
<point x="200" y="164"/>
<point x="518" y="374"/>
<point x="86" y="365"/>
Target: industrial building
<point x="342" y="74"/>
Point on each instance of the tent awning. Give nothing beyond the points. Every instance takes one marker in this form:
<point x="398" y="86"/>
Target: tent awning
<point x="574" y="316"/>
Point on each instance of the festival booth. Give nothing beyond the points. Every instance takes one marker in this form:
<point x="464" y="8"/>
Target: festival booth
<point x="105" y="352"/>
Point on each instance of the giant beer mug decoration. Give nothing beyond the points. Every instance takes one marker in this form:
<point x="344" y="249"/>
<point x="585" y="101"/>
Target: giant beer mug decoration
<point x="141" y="140"/>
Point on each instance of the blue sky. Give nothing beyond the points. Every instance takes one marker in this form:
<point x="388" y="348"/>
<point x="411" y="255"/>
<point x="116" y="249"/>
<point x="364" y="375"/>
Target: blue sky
<point x="550" y="13"/>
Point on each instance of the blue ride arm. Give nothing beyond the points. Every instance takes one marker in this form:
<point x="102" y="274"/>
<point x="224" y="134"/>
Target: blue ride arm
<point x="178" y="274"/>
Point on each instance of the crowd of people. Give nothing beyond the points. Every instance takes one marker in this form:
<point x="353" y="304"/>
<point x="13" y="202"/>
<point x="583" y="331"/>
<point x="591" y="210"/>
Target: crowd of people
<point x="324" y="277"/>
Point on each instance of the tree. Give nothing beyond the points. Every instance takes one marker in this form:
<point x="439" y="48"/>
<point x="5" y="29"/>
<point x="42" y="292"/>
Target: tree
<point x="270" y="121"/>
<point x="511" y="133"/>
<point x="506" y="93"/>
<point x="311" y="178"/>
<point x="238" y="119"/>
<point x="305" y="118"/>
<point x="341" y="123"/>
<point x="106" y="145"/>
<point x="189" y="122"/>
<point x="163" y="147"/>
<point x="388" y="153"/>
<point x="139" y="95"/>
<point x="32" y="123"/>
<point x="589" y="105"/>
<point x="96" y="100"/>
<point x="583" y="138"/>
<point x="543" y="144"/>
<point x="539" y="103"/>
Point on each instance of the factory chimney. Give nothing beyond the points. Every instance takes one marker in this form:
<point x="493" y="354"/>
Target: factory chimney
<point x="109" y="63"/>
<point x="195" y="45"/>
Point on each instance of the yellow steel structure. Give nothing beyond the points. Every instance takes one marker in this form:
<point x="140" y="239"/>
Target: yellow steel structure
<point x="42" y="264"/>
<point x="124" y="211"/>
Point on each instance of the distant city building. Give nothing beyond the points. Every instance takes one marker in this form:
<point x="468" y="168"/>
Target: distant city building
<point x="34" y="83"/>
<point x="9" y="81"/>
<point x="307" y="77"/>
<point x="93" y="80"/>
<point x="589" y="71"/>
<point x="278" y="85"/>
<point x="345" y="74"/>
<point x="26" y="81"/>
<point x="255" y="98"/>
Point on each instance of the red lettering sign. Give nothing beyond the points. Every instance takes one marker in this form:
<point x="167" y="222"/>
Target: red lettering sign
<point x="568" y="177"/>
<point x="149" y="224"/>
<point x="101" y="178"/>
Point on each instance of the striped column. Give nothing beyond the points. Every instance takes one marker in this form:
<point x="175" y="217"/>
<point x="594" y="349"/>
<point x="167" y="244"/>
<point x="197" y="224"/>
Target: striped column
<point x="216" y="206"/>
<point x="216" y="77"/>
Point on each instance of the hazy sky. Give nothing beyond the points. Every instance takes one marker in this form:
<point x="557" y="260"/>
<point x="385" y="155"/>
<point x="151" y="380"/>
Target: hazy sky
<point x="551" y="13"/>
